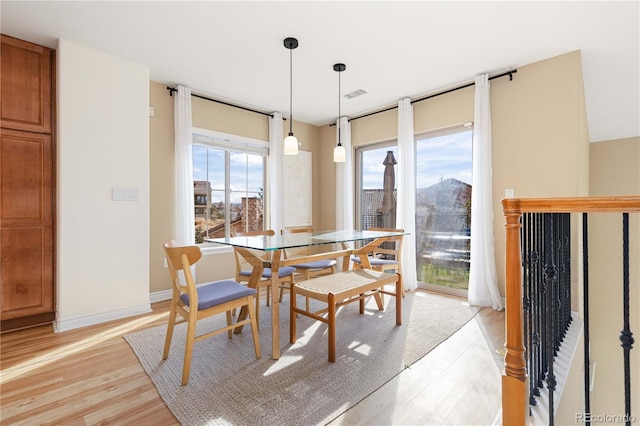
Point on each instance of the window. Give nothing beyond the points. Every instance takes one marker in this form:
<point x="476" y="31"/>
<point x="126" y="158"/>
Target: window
<point x="229" y="181"/>
<point x="374" y="207"/>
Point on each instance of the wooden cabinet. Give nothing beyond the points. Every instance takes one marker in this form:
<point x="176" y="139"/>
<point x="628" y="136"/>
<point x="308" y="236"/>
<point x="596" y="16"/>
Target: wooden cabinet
<point x="27" y="184"/>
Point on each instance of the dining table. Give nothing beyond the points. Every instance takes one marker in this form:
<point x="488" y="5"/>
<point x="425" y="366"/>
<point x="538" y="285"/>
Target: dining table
<point x="275" y="246"/>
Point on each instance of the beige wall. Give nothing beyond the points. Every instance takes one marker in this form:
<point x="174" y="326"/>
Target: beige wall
<point x="615" y="170"/>
<point x="102" y="269"/>
<point x="540" y="143"/>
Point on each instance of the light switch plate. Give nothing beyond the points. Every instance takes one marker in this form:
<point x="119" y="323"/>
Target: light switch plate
<point x="119" y="193"/>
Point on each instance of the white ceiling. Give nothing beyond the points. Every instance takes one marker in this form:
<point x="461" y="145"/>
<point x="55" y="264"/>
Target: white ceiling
<point x="234" y="50"/>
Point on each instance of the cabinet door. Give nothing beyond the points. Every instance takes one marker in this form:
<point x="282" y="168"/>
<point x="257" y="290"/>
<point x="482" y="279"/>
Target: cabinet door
<point x="26" y="82"/>
<point x="26" y="225"/>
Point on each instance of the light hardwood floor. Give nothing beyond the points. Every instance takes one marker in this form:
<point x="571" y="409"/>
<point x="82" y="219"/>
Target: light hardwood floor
<point x="91" y="376"/>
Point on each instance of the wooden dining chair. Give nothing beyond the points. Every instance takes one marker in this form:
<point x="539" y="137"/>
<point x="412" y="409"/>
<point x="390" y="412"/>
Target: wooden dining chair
<point x="243" y="274"/>
<point x="308" y="270"/>
<point x="384" y="257"/>
<point x="195" y="303"/>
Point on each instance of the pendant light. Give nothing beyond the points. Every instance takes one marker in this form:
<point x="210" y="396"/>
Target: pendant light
<point x="290" y="142"/>
<point x="339" y="153"/>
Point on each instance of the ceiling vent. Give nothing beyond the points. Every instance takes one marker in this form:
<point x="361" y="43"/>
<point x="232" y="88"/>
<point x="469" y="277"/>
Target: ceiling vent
<point x="355" y="94"/>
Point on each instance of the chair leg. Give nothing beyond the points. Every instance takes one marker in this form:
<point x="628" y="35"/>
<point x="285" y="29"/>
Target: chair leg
<point x="292" y="314"/>
<point x="170" y="325"/>
<point x="268" y="295"/>
<point x="306" y="299"/>
<point x="378" y="297"/>
<point x="188" y="350"/>
<point x="229" y="321"/>
<point x="254" y="325"/>
<point x="257" y="304"/>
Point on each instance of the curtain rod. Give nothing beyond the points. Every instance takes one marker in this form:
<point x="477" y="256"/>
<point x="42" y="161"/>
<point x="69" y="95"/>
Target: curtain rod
<point x="171" y="90"/>
<point x="508" y="73"/>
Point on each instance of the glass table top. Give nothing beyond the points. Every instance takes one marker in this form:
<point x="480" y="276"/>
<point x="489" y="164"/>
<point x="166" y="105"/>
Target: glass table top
<point x="303" y="239"/>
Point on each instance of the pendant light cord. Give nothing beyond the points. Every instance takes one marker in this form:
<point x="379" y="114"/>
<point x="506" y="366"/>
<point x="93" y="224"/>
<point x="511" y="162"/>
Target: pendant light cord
<point x="339" y="113"/>
<point x="290" y="92"/>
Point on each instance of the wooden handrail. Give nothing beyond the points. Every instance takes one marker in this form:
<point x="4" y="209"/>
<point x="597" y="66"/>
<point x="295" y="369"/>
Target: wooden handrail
<point x="572" y="205"/>
<point x="515" y="380"/>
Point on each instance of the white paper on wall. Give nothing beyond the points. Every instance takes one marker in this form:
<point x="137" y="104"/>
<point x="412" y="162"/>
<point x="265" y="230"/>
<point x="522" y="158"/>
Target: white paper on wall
<point x="297" y="189"/>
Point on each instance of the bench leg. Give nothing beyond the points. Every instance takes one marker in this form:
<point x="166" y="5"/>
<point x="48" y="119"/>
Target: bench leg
<point x="292" y="313"/>
<point x="331" y="317"/>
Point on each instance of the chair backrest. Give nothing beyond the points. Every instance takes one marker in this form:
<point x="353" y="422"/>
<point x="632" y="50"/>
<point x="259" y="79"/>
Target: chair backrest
<point x="299" y="251"/>
<point x="181" y="258"/>
<point x="296" y="229"/>
<point x="267" y="232"/>
<point x="392" y="246"/>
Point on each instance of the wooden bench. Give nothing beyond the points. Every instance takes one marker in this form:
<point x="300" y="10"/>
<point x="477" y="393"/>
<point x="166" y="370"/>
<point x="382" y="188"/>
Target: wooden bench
<point x="340" y="289"/>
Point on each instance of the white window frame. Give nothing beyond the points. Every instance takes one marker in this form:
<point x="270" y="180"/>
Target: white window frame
<point x="215" y="139"/>
<point x="358" y="174"/>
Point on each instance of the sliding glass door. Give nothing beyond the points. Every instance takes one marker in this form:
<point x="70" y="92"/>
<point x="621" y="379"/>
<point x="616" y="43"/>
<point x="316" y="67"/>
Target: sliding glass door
<point x="443" y="203"/>
<point x="443" y="210"/>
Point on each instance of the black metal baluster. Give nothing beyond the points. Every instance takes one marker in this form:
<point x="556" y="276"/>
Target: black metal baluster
<point x="525" y="247"/>
<point x="550" y="275"/>
<point x="585" y="295"/>
<point x="626" y="337"/>
<point x="555" y="320"/>
<point x="567" y="260"/>
<point x="539" y="303"/>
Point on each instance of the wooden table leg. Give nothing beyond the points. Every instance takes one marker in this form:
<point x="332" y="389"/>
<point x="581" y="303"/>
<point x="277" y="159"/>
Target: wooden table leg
<point x="275" y="306"/>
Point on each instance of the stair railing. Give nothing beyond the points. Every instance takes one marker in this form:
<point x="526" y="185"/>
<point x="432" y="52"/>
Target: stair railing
<point x="544" y="223"/>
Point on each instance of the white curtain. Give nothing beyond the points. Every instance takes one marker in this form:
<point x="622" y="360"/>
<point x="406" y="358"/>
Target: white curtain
<point x="406" y="204"/>
<point x="483" y="284"/>
<point x="344" y="179"/>
<point x="185" y="232"/>
<point x="276" y="194"/>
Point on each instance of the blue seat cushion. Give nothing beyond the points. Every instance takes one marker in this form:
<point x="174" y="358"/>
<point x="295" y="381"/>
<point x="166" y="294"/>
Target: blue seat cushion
<point x="282" y="272"/>
<point x="374" y="261"/>
<point x="217" y="293"/>
<point x="318" y="264"/>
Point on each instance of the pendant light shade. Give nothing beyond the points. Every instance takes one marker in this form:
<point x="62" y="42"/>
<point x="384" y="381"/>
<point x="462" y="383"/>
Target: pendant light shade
<point x="339" y="153"/>
<point x="290" y="142"/>
<point x="290" y="145"/>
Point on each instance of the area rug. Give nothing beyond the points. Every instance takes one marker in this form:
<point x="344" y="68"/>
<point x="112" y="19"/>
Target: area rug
<point x="228" y="386"/>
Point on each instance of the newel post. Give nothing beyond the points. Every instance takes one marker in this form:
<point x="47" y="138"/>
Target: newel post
<point x="515" y="381"/>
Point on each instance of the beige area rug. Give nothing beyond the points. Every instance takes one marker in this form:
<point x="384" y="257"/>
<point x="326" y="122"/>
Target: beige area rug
<point x="228" y="386"/>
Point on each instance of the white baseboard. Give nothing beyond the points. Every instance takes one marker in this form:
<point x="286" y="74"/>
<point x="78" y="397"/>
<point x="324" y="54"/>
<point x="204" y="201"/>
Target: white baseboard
<point x="159" y="296"/>
<point x="60" y="325"/>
